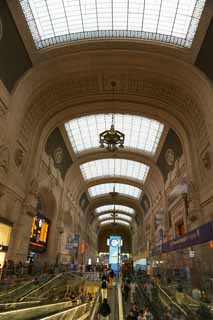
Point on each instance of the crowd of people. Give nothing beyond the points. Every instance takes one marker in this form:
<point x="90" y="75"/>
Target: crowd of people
<point x="129" y="287"/>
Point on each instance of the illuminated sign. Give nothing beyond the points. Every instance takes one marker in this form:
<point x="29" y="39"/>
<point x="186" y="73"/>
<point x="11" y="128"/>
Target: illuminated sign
<point x="39" y="233"/>
<point x="115" y="243"/>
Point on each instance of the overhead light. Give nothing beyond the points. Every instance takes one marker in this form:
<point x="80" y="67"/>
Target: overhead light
<point x="111" y="139"/>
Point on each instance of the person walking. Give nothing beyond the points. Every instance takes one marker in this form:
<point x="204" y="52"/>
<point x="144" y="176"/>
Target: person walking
<point x="104" y="290"/>
<point x="105" y="310"/>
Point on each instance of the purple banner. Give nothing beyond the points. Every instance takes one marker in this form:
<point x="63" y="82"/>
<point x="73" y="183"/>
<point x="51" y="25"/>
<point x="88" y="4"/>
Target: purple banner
<point x="197" y="236"/>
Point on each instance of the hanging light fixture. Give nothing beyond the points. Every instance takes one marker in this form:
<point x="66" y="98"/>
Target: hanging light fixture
<point x="112" y="139"/>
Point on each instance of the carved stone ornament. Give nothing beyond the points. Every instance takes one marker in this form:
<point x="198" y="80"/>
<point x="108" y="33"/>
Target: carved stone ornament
<point x="58" y="155"/>
<point x="51" y="184"/>
<point x="4" y="158"/>
<point x="1" y="29"/>
<point x="207" y="160"/>
<point x="34" y="187"/>
<point x="170" y="157"/>
<point x="18" y="157"/>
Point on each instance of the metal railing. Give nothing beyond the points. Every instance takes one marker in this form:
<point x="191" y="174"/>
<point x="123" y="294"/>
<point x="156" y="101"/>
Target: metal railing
<point x="120" y="301"/>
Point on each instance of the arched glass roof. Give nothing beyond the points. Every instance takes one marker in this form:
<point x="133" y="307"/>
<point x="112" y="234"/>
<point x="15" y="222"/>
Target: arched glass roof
<point x="58" y="21"/>
<point x="105" y="188"/>
<point x="116" y="221"/>
<point x="114" y="168"/>
<point x="115" y="207"/>
<point x="141" y="133"/>
<point x="118" y="216"/>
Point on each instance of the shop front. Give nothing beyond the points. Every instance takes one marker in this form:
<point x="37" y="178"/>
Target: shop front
<point x="5" y="233"/>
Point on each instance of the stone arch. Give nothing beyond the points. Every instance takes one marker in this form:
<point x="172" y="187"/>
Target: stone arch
<point x="49" y="211"/>
<point x="68" y="91"/>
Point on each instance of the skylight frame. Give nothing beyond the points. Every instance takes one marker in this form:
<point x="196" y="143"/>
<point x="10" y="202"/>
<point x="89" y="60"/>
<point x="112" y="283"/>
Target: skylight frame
<point x="114" y="167"/>
<point x="121" y="188"/>
<point x="111" y="221"/>
<point x="117" y="207"/>
<point x="174" y="24"/>
<point x="141" y="133"/>
<point x="120" y="216"/>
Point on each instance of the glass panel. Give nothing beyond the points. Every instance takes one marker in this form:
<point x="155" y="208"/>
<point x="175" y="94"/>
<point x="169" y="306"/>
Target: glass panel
<point x="102" y="189"/>
<point x="116" y="207"/>
<point x="116" y="221"/>
<point x="170" y="21"/>
<point x="114" y="168"/>
<point x="118" y="215"/>
<point x="141" y="133"/>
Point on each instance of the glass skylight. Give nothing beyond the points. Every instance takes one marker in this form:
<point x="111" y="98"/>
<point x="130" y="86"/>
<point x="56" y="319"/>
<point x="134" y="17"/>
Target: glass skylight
<point x="105" y="188"/>
<point x="116" y="221"/>
<point x="114" y="168"/>
<point x="118" y="216"/>
<point x="140" y="133"/>
<point x="116" y="207"/>
<point x="58" y="21"/>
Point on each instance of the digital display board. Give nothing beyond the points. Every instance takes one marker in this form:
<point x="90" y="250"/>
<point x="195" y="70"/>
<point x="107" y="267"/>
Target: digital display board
<point x="39" y="233"/>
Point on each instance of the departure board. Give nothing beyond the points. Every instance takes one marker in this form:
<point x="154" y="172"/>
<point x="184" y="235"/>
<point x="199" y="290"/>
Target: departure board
<point x="39" y="232"/>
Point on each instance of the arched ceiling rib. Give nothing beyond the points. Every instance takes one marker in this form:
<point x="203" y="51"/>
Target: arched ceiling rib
<point x="57" y="21"/>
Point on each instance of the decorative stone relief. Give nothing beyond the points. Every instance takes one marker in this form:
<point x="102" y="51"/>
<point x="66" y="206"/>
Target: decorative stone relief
<point x="58" y="155"/>
<point x="34" y="187"/>
<point x="170" y="157"/>
<point x="207" y="160"/>
<point x="18" y="157"/>
<point x="51" y="184"/>
<point x="4" y="158"/>
<point x="50" y="166"/>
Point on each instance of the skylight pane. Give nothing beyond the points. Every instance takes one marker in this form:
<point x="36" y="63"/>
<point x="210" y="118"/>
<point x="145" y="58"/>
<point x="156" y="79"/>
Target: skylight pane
<point x="116" y="221"/>
<point x="123" y="216"/>
<point x="106" y="188"/>
<point x="118" y="215"/>
<point x="115" y="168"/>
<point x="111" y="207"/>
<point x="141" y="133"/>
<point x="105" y="216"/>
<point x="170" y="21"/>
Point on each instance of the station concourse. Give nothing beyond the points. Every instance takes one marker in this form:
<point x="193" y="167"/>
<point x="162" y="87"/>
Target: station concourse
<point x="106" y="158"/>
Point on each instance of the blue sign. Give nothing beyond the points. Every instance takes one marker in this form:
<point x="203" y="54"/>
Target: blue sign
<point x="114" y="252"/>
<point x="194" y="237"/>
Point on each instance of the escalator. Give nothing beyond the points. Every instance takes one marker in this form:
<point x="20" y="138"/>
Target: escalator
<point x="159" y="303"/>
<point x="18" y="291"/>
<point x="51" y="300"/>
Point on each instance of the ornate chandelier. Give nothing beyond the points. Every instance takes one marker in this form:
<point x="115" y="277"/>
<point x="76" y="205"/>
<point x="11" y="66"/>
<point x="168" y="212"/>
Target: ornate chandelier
<point x="112" y="139"/>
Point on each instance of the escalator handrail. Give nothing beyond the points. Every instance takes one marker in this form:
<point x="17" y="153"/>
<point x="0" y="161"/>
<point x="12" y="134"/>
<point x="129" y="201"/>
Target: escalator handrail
<point x="120" y="302"/>
<point x="16" y="289"/>
<point x="95" y="306"/>
<point x="43" y="285"/>
<point x="63" y="313"/>
<point x="172" y="301"/>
